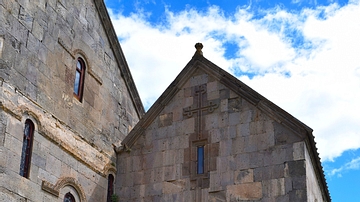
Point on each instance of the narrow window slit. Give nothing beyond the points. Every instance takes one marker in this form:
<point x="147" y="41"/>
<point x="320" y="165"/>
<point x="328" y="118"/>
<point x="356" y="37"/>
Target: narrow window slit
<point x="200" y="160"/>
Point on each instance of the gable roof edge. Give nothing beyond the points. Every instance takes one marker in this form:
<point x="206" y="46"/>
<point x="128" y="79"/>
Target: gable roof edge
<point x="119" y="56"/>
<point x="278" y="114"/>
<point x="158" y="106"/>
<point x="257" y="99"/>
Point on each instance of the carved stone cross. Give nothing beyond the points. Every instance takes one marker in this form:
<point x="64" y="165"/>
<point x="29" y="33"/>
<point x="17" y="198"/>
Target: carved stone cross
<point x="200" y="107"/>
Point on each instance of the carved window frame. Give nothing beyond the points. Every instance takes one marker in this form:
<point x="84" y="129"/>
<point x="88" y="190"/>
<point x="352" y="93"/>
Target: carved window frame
<point x="79" y="78"/>
<point x="69" y="197"/>
<point x="194" y="159"/>
<point x="110" y="188"/>
<point x="28" y="138"/>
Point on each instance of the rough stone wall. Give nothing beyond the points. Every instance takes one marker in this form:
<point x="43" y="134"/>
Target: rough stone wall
<point x="49" y="164"/>
<point x="248" y="155"/>
<point x="40" y="41"/>
<point x="313" y="188"/>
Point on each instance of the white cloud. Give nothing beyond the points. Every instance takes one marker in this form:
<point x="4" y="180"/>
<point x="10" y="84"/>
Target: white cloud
<point x="308" y="62"/>
<point x="354" y="164"/>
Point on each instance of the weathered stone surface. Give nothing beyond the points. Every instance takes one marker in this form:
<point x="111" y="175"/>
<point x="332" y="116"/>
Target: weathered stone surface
<point x="247" y="191"/>
<point x="39" y="45"/>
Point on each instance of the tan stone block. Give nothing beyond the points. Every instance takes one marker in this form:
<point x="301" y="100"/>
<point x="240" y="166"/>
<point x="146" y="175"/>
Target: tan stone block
<point x="238" y="145"/>
<point x="13" y="144"/>
<point x="53" y="165"/>
<point x="223" y="119"/>
<point x="274" y="187"/>
<point x="165" y="119"/>
<point x="15" y="128"/>
<point x="212" y="86"/>
<point x="44" y="175"/>
<point x="188" y="126"/>
<point x="4" y="156"/>
<point x="298" y="151"/>
<point x="248" y="191"/>
<point x="173" y="187"/>
<point x="138" y="178"/>
<point x="211" y="121"/>
<point x="169" y="157"/>
<point x="170" y="173"/>
<point x="244" y="176"/>
<point x="1" y="46"/>
<point x="177" y="114"/>
<point x="198" y="80"/>
<point x="234" y="118"/>
<point x="246" y="116"/>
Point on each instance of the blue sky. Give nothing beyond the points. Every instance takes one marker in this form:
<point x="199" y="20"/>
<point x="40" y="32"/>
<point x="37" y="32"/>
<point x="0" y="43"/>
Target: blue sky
<point x="304" y="55"/>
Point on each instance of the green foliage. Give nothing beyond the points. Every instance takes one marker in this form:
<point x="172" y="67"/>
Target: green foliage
<point x="114" y="198"/>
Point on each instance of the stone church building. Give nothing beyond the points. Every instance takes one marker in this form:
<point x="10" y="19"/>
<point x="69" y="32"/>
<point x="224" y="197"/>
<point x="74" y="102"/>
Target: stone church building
<point x="73" y="128"/>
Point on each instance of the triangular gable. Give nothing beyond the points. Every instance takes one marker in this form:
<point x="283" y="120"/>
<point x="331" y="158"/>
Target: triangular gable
<point x="250" y="95"/>
<point x="198" y="62"/>
<point x="119" y="56"/>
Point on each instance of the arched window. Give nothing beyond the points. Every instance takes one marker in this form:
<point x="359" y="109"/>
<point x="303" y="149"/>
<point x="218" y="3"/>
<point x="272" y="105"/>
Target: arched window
<point x="110" y="187"/>
<point x="79" y="79"/>
<point x="69" y="197"/>
<point x="27" y="148"/>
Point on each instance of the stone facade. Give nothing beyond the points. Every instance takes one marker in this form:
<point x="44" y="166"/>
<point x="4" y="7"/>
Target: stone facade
<point x="72" y="150"/>
<point x="253" y="150"/>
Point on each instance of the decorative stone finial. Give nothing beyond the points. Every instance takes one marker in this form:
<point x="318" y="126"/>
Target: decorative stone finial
<point x="198" y="47"/>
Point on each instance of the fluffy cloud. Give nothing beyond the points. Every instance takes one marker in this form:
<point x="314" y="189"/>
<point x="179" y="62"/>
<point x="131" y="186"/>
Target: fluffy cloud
<point x="354" y="164"/>
<point x="306" y="62"/>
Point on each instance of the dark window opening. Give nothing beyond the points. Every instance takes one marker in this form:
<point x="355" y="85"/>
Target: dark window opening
<point x="27" y="148"/>
<point x="79" y="79"/>
<point x="69" y="197"/>
<point x="200" y="160"/>
<point x="110" y="187"/>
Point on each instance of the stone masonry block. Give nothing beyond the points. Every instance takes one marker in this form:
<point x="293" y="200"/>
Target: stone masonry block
<point x="248" y="191"/>
<point x="139" y="178"/>
<point x="38" y="160"/>
<point x="296" y="168"/>
<point x="244" y="176"/>
<point x="13" y="144"/>
<point x="299" y="182"/>
<point x="37" y="31"/>
<point x="198" y="80"/>
<point x="238" y="145"/>
<point x="243" y="129"/>
<point x="234" y="118"/>
<point x="223" y="119"/>
<point x="3" y="159"/>
<point x="299" y="151"/>
<point x="170" y="173"/>
<point x="298" y="196"/>
<point x="242" y="161"/>
<point x="169" y="157"/>
<point x="25" y="18"/>
<point x="224" y="105"/>
<point x="284" y="135"/>
<point x="165" y="119"/>
<point x="234" y="105"/>
<point x="52" y="165"/>
<point x="256" y="159"/>
<point x="15" y="128"/>
<point x="269" y="172"/>
<point x="246" y="116"/>
<point x="273" y="188"/>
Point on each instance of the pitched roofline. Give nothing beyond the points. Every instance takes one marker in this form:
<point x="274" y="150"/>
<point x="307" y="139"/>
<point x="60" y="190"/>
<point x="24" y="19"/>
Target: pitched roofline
<point x="310" y="141"/>
<point x="119" y="56"/>
<point x="274" y="111"/>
